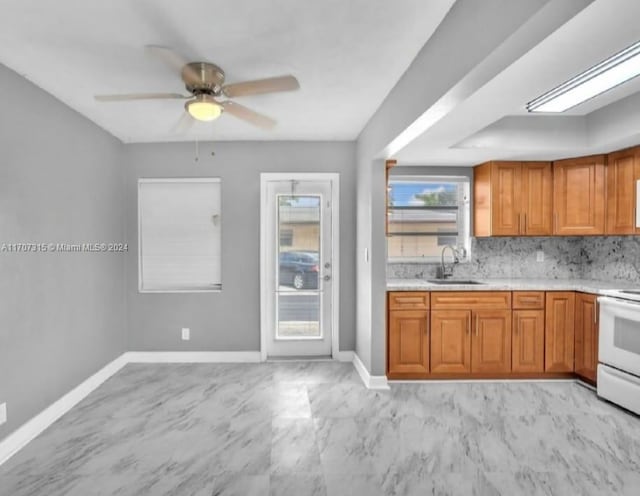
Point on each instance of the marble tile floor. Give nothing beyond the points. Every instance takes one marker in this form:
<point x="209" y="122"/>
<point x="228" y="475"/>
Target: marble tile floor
<point x="311" y="428"/>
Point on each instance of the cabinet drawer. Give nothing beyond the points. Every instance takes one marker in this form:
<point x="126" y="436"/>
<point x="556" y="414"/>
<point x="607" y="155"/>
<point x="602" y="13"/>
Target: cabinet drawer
<point x="408" y="300"/>
<point x="470" y="300"/>
<point x="528" y="300"/>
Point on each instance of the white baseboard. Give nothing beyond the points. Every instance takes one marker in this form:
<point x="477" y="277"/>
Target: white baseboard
<point x="28" y="431"/>
<point x="370" y="381"/>
<point x="193" y="356"/>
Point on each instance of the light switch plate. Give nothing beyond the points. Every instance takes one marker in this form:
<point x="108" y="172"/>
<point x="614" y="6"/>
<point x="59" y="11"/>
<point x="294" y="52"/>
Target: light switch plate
<point x="539" y="256"/>
<point x="186" y="334"/>
<point x="3" y="413"/>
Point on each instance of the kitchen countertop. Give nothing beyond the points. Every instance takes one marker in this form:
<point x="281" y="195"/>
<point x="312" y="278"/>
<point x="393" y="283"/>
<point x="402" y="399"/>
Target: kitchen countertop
<point x="583" y="285"/>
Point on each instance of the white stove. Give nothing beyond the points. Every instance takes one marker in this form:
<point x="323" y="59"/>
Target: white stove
<point x="626" y="294"/>
<point x="619" y="348"/>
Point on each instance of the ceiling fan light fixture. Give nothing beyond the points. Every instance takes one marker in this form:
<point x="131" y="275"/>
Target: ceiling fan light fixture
<point x="203" y="108"/>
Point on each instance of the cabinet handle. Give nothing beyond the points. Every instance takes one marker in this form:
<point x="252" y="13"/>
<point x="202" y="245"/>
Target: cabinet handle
<point x="477" y="325"/>
<point x="595" y="313"/>
<point x="519" y="223"/>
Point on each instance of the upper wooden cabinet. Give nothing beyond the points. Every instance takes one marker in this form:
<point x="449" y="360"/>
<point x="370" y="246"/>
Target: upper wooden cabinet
<point x="623" y="170"/>
<point x="513" y="199"/>
<point x="579" y="196"/>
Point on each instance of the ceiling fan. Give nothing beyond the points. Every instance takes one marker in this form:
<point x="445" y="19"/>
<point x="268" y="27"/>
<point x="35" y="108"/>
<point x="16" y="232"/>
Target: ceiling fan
<point x="206" y="84"/>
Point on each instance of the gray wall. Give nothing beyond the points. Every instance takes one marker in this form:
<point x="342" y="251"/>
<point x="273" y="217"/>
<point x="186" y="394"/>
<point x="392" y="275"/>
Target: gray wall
<point x="230" y="320"/>
<point x="61" y="314"/>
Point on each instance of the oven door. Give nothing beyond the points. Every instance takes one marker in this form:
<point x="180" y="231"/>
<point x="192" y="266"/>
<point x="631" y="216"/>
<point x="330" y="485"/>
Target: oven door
<point x="619" y="341"/>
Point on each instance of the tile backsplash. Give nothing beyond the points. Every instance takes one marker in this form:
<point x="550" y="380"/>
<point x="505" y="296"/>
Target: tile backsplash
<point x="594" y="257"/>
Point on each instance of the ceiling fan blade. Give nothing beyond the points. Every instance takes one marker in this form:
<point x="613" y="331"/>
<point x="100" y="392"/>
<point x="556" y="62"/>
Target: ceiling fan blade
<point x="184" y="124"/>
<point x="259" y="86"/>
<point x="173" y="59"/>
<point x="248" y="115"/>
<point x="140" y="96"/>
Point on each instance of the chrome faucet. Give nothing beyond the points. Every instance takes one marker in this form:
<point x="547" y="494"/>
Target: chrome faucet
<point x="445" y="271"/>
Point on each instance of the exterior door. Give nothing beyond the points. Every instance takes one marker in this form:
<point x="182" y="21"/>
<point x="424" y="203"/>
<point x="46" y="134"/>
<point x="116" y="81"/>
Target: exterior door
<point x="298" y="270"/>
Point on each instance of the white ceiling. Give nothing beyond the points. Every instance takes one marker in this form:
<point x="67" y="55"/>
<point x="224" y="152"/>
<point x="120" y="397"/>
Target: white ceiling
<point x="489" y="121"/>
<point x="347" y="55"/>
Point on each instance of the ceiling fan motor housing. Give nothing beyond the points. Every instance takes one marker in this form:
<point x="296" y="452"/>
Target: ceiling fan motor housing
<point x="203" y="78"/>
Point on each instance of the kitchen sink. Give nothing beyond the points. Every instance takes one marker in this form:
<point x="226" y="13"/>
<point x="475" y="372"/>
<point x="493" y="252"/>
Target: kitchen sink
<point x="453" y="281"/>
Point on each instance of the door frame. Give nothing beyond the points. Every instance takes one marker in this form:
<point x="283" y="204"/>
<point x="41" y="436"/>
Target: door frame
<point x="334" y="177"/>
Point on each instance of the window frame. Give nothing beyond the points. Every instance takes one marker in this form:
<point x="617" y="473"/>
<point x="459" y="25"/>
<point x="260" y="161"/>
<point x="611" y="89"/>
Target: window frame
<point x="464" y="215"/>
<point x="180" y="180"/>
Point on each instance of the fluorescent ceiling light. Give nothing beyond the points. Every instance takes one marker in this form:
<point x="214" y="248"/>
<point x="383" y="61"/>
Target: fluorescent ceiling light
<point x="618" y="69"/>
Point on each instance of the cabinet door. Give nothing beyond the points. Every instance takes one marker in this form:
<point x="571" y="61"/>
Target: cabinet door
<point x="579" y="196"/>
<point x="409" y="341"/>
<point x="586" y="338"/>
<point x="450" y="341"/>
<point x="491" y="342"/>
<point x="559" y="331"/>
<point x="528" y="341"/>
<point x="506" y="190"/>
<point x="537" y="199"/>
<point x="621" y="192"/>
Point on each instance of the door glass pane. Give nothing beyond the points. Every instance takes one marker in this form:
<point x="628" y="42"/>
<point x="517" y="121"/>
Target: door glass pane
<point x="298" y="242"/>
<point x="298" y="315"/>
<point x="298" y="266"/>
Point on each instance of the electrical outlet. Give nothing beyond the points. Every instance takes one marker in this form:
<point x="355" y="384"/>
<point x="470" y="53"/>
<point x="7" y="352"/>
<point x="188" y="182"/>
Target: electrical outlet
<point x="3" y="413"/>
<point x="539" y="256"/>
<point x="186" y="334"/>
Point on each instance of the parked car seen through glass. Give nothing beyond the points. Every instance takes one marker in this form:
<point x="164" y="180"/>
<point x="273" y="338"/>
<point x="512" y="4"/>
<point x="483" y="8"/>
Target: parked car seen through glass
<point x="299" y="269"/>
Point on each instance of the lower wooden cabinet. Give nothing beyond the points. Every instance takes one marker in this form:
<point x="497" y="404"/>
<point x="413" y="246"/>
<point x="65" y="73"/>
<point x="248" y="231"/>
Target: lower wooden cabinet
<point x="528" y="341"/>
<point x="450" y="341"/>
<point x="586" y="336"/>
<point x="492" y="334"/>
<point x="559" y="331"/>
<point x="408" y="342"/>
<point x="491" y="342"/>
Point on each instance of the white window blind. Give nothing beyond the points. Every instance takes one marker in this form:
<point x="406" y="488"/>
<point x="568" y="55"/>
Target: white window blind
<point x="426" y="213"/>
<point x="179" y="234"/>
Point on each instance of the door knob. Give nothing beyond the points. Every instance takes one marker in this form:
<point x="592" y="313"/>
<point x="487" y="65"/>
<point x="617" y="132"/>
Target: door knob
<point x="327" y="265"/>
<point x="327" y="277"/>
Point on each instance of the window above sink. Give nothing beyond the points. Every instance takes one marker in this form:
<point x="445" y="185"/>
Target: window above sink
<point x="426" y="213"/>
